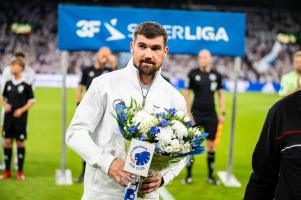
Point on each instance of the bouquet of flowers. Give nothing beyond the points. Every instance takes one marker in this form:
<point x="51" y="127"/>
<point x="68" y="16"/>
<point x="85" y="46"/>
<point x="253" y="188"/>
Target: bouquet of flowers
<point x="169" y="129"/>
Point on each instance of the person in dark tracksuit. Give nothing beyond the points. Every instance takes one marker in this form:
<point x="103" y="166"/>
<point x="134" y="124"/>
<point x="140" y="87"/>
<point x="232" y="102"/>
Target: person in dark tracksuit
<point x="105" y="63"/>
<point x="277" y="156"/>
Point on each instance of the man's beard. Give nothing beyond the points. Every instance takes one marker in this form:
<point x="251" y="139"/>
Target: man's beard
<point x="147" y="70"/>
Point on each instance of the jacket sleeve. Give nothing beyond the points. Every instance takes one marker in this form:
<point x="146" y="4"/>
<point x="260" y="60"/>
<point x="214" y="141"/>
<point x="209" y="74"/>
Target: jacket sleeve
<point x="86" y="118"/>
<point x="265" y="162"/>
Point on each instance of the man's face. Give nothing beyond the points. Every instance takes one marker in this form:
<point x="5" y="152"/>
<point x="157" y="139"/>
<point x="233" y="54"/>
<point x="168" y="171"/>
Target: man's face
<point x="297" y="63"/>
<point x="102" y="55"/>
<point x="204" y="58"/>
<point x="148" y="54"/>
<point x="16" y="69"/>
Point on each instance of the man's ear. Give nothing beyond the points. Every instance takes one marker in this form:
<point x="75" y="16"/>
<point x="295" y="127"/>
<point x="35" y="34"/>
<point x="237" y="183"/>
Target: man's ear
<point x="132" y="44"/>
<point x="165" y="51"/>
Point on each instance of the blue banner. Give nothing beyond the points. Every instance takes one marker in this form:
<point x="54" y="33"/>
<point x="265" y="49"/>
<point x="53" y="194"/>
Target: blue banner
<point x="89" y="28"/>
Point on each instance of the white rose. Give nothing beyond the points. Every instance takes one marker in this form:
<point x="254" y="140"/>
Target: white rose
<point x="174" y="147"/>
<point x="165" y="136"/>
<point x="180" y="130"/>
<point x="180" y="114"/>
<point x="142" y="117"/>
<point x="175" y="144"/>
<point x="187" y="118"/>
<point x="145" y="121"/>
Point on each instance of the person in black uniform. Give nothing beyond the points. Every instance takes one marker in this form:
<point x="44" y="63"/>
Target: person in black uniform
<point x="277" y="156"/>
<point x="106" y="62"/>
<point x="18" y="98"/>
<point x="204" y="82"/>
<point x="89" y="73"/>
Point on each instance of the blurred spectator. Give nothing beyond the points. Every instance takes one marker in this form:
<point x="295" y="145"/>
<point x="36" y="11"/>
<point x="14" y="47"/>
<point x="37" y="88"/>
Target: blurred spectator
<point x="291" y="81"/>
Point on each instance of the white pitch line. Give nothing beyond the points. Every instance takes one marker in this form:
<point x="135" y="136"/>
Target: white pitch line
<point x="165" y="194"/>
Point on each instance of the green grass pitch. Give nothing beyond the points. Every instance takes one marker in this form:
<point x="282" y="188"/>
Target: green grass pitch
<point x="44" y="142"/>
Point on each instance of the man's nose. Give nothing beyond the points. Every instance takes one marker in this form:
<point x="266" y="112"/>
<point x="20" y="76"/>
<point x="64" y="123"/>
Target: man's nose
<point x="148" y="53"/>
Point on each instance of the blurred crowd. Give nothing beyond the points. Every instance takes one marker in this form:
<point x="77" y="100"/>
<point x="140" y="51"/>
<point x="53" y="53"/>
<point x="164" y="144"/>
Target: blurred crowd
<point x="40" y="45"/>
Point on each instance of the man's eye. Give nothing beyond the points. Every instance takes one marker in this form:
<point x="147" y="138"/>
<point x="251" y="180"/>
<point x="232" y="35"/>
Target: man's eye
<point x="156" y="48"/>
<point x="141" y="46"/>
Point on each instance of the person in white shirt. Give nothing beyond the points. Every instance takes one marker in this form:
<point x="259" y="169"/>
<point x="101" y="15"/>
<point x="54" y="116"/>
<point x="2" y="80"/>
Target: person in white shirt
<point x="94" y="133"/>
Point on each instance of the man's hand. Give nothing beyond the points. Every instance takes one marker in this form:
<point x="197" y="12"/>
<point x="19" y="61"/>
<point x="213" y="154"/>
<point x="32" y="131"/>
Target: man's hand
<point x="7" y="107"/>
<point x="117" y="173"/>
<point x="150" y="184"/>
<point x="18" y="113"/>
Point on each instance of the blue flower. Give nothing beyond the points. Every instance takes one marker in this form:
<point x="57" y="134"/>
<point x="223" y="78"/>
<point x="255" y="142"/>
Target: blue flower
<point x="154" y="130"/>
<point x="142" y="138"/>
<point x="190" y="124"/>
<point x="157" y="149"/>
<point x="195" y="139"/>
<point x="172" y="111"/>
<point x="120" y="107"/>
<point x="204" y="135"/>
<point x="132" y="129"/>
<point x="164" y="123"/>
<point x="162" y="114"/>
<point x="122" y="117"/>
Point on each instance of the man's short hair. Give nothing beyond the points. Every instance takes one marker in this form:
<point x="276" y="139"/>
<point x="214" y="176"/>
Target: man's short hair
<point x="18" y="61"/>
<point x="297" y="54"/>
<point x="150" y="30"/>
<point x="19" y="54"/>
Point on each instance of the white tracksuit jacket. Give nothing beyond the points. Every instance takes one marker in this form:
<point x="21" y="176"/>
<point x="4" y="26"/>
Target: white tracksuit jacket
<point x="94" y="133"/>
